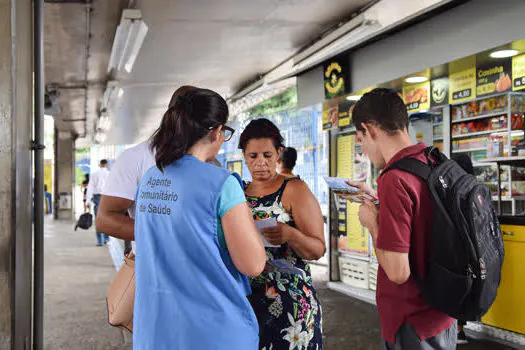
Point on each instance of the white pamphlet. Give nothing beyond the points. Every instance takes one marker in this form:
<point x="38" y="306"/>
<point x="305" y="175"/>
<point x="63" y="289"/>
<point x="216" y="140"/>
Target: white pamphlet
<point x="266" y="223"/>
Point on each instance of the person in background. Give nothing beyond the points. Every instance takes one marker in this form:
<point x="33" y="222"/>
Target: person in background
<point x="286" y="162"/>
<point x="94" y="192"/>
<point x="196" y="239"/>
<point x="83" y="187"/>
<point x="464" y="162"/>
<point x="49" y="201"/>
<point x="286" y="305"/>
<point x="399" y="227"/>
<point x="118" y="197"/>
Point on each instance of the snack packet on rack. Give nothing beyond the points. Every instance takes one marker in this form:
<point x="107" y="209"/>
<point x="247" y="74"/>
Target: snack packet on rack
<point x="341" y="188"/>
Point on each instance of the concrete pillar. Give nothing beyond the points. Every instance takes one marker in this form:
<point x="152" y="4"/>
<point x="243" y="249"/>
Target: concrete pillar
<point x="16" y="91"/>
<point x="64" y="174"/>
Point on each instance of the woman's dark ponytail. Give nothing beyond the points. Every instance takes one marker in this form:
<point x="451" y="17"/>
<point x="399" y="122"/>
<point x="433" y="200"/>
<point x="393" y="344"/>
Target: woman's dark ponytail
<point x="187" y="120"/>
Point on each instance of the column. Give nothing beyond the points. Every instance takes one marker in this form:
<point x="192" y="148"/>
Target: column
<point x="64" y="175"/>
<point x="16" y="93"/>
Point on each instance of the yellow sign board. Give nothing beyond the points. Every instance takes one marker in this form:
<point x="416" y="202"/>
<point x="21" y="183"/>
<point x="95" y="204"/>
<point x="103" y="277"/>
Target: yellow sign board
<point x="518" y="73"/>
<point x="345" y="156"/>
<point x="417" y="96"/>
<point x="357" y="237"/>
<point x="462" y="85"/>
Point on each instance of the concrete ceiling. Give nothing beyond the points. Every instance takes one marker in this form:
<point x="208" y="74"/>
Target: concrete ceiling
<point x="77" y="43"/>
<point x="217" y="44"/>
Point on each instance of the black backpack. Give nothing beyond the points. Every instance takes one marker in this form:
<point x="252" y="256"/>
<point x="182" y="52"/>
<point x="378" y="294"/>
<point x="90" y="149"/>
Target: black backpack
<point x="84" y="221"/>
<point x="463" y="267"/>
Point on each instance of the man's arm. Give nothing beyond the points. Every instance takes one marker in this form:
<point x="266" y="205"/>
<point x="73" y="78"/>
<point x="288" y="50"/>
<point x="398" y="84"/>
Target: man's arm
<point x="391" y="228"/>
<point x="112" y="219"/>
<point x="395" y="265"/>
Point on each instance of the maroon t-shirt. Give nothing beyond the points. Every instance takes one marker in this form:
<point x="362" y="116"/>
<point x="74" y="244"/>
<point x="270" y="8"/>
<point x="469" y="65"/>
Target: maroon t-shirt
<point x="405" y="221"/>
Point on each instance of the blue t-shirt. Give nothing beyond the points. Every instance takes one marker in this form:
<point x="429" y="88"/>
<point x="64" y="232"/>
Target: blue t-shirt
<point x="231" y="196"/>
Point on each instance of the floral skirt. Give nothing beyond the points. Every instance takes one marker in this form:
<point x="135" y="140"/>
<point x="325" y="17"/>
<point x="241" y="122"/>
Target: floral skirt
<point x="288" y="312"/>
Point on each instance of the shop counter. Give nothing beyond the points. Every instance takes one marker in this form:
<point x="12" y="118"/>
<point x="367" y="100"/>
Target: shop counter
<point x="508" y="311"/>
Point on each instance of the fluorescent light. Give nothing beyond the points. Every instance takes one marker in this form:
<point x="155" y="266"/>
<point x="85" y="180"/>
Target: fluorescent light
<point x="503" y="53"/>
<point x="129" y="38"/>
<point x="103" y="123"/>
<point x="415" y="79"/>
<point x="100" y="137"/>
<point x="354" y="97"/>
<point x="111" y="95"/>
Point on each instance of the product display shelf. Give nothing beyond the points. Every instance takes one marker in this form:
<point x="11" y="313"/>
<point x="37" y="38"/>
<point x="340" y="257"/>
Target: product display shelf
<point x="479" y="133"/>
<point x="481" y="116"/>
<point x="468" y="150"/>
<point x="513" y="161"/>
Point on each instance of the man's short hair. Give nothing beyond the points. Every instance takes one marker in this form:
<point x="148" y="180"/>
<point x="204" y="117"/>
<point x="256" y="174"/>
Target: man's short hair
<point x="382" y="107"/>
<point x="103" y="162"/>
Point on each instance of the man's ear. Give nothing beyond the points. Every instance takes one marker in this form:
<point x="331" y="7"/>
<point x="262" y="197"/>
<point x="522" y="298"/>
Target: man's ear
<point x="370" y="130"/>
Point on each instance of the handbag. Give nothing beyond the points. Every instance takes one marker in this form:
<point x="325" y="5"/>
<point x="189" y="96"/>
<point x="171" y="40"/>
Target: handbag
<point x="121" y="296"/>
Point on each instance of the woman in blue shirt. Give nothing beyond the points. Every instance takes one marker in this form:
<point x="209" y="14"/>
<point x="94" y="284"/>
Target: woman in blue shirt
<point x="196" y="239"/>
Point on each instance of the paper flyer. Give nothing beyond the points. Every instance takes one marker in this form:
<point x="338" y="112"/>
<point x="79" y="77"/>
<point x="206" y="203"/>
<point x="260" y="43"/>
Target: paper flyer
<point x="343" y="189"/>
<point x="266" y="223"/>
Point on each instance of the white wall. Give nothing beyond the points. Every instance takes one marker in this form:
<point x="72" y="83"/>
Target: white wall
<point x="475" y="26"/>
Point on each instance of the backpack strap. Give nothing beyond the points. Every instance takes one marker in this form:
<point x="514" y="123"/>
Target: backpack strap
<point x="411" y="166"/>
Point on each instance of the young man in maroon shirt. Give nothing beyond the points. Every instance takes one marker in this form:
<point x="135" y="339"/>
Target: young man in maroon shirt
<point x="400" y="227"/>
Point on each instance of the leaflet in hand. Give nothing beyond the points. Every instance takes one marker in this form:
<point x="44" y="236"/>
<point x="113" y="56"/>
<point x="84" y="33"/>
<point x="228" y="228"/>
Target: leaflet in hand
<point x="283" y="266"/>
<point x="266" y="223"/>
<point x="341" y="188"/>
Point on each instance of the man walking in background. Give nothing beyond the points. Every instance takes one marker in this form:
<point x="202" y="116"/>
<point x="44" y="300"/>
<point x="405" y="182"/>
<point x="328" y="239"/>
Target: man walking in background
<point x="94" y="191"/>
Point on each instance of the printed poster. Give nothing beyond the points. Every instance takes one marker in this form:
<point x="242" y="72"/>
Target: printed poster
<point x="345" y="156"/>
<point x="345" y="114"/>
<point x="518" y="73"/>
<point x="417" y="96"/>
<point x="493" y="77"/>
<point x="330" y="116"/>
<point x="462" y="80"/>
<point x="356" y="236"/>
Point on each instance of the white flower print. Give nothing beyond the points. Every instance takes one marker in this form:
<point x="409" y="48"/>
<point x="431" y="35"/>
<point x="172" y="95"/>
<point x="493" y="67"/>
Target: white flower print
<point x="294" y="334"/>
<point x="270" y="348"/>
<point x="276" y="308"/>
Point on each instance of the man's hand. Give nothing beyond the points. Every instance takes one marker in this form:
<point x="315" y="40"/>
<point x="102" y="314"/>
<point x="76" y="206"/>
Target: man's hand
<point x="279" y="234"/>
<point x="369" y="218"/>
<point x="363" y="186"/>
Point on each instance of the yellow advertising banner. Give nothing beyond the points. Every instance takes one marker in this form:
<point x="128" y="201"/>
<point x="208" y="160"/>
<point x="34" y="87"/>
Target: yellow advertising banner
<point x="345" y="156"/>
<point x="357" y="237"/>
<point x="417" y="96"/>
<point x="462" y="80"/>
<point x="463" y="85"/>
<point x="518" y="73"/>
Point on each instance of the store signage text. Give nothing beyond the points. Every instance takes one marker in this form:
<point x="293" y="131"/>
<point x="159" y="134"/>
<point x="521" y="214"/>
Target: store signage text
<point x="462" y="85"/>
<point x="518" y="72"/>
<point x="416" y="96"/>
<point x="493" y="78"/>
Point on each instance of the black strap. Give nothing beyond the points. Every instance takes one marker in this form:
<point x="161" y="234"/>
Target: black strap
<point x="412" y="166"/>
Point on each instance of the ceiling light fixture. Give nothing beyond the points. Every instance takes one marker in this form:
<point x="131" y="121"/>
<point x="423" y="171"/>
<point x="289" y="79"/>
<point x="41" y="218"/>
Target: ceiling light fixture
<point x="416" y="79"/>
<point x="112" y="93"/>
<point x="503" y="53"/>
<point x="129" y="38"/>
<point x="354" y="97"/>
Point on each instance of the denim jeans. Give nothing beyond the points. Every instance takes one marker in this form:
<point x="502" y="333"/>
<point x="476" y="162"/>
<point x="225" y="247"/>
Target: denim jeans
<point x="101" y="237"/>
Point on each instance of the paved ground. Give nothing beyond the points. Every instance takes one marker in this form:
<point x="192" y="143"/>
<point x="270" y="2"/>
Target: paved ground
<point x="77" y="275"/>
